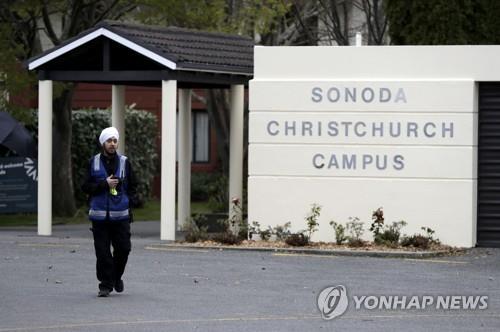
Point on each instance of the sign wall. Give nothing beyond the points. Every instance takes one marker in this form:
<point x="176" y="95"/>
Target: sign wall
<point x="353" y="144"/>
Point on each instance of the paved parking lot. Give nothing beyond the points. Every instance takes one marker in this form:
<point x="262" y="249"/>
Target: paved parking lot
<point x="48" y="283"/>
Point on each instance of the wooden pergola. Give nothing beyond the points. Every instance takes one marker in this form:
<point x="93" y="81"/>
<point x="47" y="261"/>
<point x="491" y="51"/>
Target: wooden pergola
<point x="176" y="59"/>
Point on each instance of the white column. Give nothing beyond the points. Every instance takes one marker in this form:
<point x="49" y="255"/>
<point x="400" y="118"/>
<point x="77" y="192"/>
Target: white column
<point x="118" y="113"/>
<point x="359" y="39"/>
<point x="236" y="145"/>
<point x="168" y="132"/>
<point x="184" y="167"/>
<point x="45" y="157"/>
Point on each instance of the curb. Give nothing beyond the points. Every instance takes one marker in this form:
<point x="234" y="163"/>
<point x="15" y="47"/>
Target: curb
<point x="318" y="252"/>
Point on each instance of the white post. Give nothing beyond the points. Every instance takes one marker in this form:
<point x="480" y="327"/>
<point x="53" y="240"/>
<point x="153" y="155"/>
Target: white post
<point x="236" y="145"/>
<point x="359" y="39"/>
<point x="45" y="157"/>
<point x="184" y="167"/>
<point x="168" y="133"/>
<point x="118" y="113"/>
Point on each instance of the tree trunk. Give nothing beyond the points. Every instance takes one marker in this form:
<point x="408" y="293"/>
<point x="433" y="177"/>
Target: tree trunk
<point x="63" y="199"/>
<point x="218" y="113"/>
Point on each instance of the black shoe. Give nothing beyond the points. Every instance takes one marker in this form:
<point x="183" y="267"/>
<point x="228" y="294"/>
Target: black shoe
<point x="104" y="292"/>
<point x="119" y="286"/>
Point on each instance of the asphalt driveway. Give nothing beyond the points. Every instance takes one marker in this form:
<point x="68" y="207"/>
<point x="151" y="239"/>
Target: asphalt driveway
<point x="48" y="283"/>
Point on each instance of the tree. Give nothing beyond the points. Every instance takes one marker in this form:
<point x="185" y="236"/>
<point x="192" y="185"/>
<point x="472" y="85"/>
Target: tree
<point x="340" y="20"/>
<point x="23" y="20"/>
<point x="335" y="19"/>
<point x="297" y="25"/>
<point x="445" y="22"/>
<point x="269" y="22"/>
<point x="74" y="16"/>
<point x="253" y="18"/>
<point x="18" y="32"/>
<point x="376" y="21"/>
<point x="194" y="14"/>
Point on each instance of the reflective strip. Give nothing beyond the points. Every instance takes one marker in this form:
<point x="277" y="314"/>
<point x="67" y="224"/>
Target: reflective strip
<point x="114" y="214"/>
<point x="121" y="172"/>
<point x="97" y="213"/>
<point x="97" y="162"/>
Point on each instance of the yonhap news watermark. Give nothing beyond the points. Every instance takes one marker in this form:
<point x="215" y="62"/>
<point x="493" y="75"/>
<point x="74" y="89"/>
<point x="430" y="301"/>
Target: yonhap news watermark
<point x="333" y="301"/>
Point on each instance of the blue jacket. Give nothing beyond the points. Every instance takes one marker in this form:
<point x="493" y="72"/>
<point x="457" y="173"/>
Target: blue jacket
<point x="105" y="205"/>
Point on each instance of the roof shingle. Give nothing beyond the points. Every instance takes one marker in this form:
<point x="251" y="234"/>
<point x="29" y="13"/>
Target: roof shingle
<point x="191" y="49"/>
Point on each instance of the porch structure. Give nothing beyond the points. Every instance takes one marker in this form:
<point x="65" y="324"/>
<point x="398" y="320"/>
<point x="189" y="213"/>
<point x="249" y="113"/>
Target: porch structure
<point x="176" y="59"/>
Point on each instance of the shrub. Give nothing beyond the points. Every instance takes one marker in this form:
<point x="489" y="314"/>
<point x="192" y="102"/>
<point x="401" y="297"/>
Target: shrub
<point x="301" y="239"/>
<point x="243" y="231"/>
<point x="282" y="231"/>
<point x="419" y="240"/>
<point x="390" y="234"/>
<point x="265" y="234"/>
<point x="218" y="193"/>
<point x="235" y="222"/>
<point x="194" y="231"/>
<point x="340" y="236"/>
<point x="227" y="238"/>
<point x="429" y="233"/>
<point x="297" y="239"/>
<point x="312" y="220"/>
<point x="416" y="241"/>
<point x="86" y="128"/>
<point x="355" y="229"/>
<point x="140" y="145"/>
<point x="201" y="184"/>
<point x="235" y="228"/>
<point x="254" y="229"/>
<point x="377" y="221"/>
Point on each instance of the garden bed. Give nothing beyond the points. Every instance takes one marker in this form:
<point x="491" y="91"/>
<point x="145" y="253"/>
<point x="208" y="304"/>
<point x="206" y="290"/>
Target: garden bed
<point x="318" y="245"/>
<point x="318" y="248"/>
<point x="388" y="239"/>
<point x="324" y="248"/>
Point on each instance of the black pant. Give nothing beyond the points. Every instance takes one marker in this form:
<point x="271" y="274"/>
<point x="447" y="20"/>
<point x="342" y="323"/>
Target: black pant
<point x="109" y="267"/>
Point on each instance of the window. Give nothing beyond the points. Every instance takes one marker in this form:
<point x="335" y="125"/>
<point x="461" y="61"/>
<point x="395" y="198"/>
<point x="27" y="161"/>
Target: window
<point x="200" y="137"/>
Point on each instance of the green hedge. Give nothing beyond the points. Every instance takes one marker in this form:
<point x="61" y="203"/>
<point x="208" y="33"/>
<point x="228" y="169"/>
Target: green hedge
<point x="141" y="132"/>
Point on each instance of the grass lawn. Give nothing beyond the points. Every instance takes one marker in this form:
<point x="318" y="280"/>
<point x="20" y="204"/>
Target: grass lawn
<point x="150" y="211"/>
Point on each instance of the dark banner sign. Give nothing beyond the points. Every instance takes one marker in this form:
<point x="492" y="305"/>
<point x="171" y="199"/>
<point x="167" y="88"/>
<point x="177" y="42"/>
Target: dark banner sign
<point x="18" y="185"/>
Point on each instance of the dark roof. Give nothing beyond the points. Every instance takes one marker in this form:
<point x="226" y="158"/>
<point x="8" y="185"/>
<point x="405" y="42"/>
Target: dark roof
<point x="189" y="49"/>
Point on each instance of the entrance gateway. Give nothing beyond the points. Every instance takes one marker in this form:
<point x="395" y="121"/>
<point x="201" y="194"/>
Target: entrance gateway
<point x="412" y="129"/>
